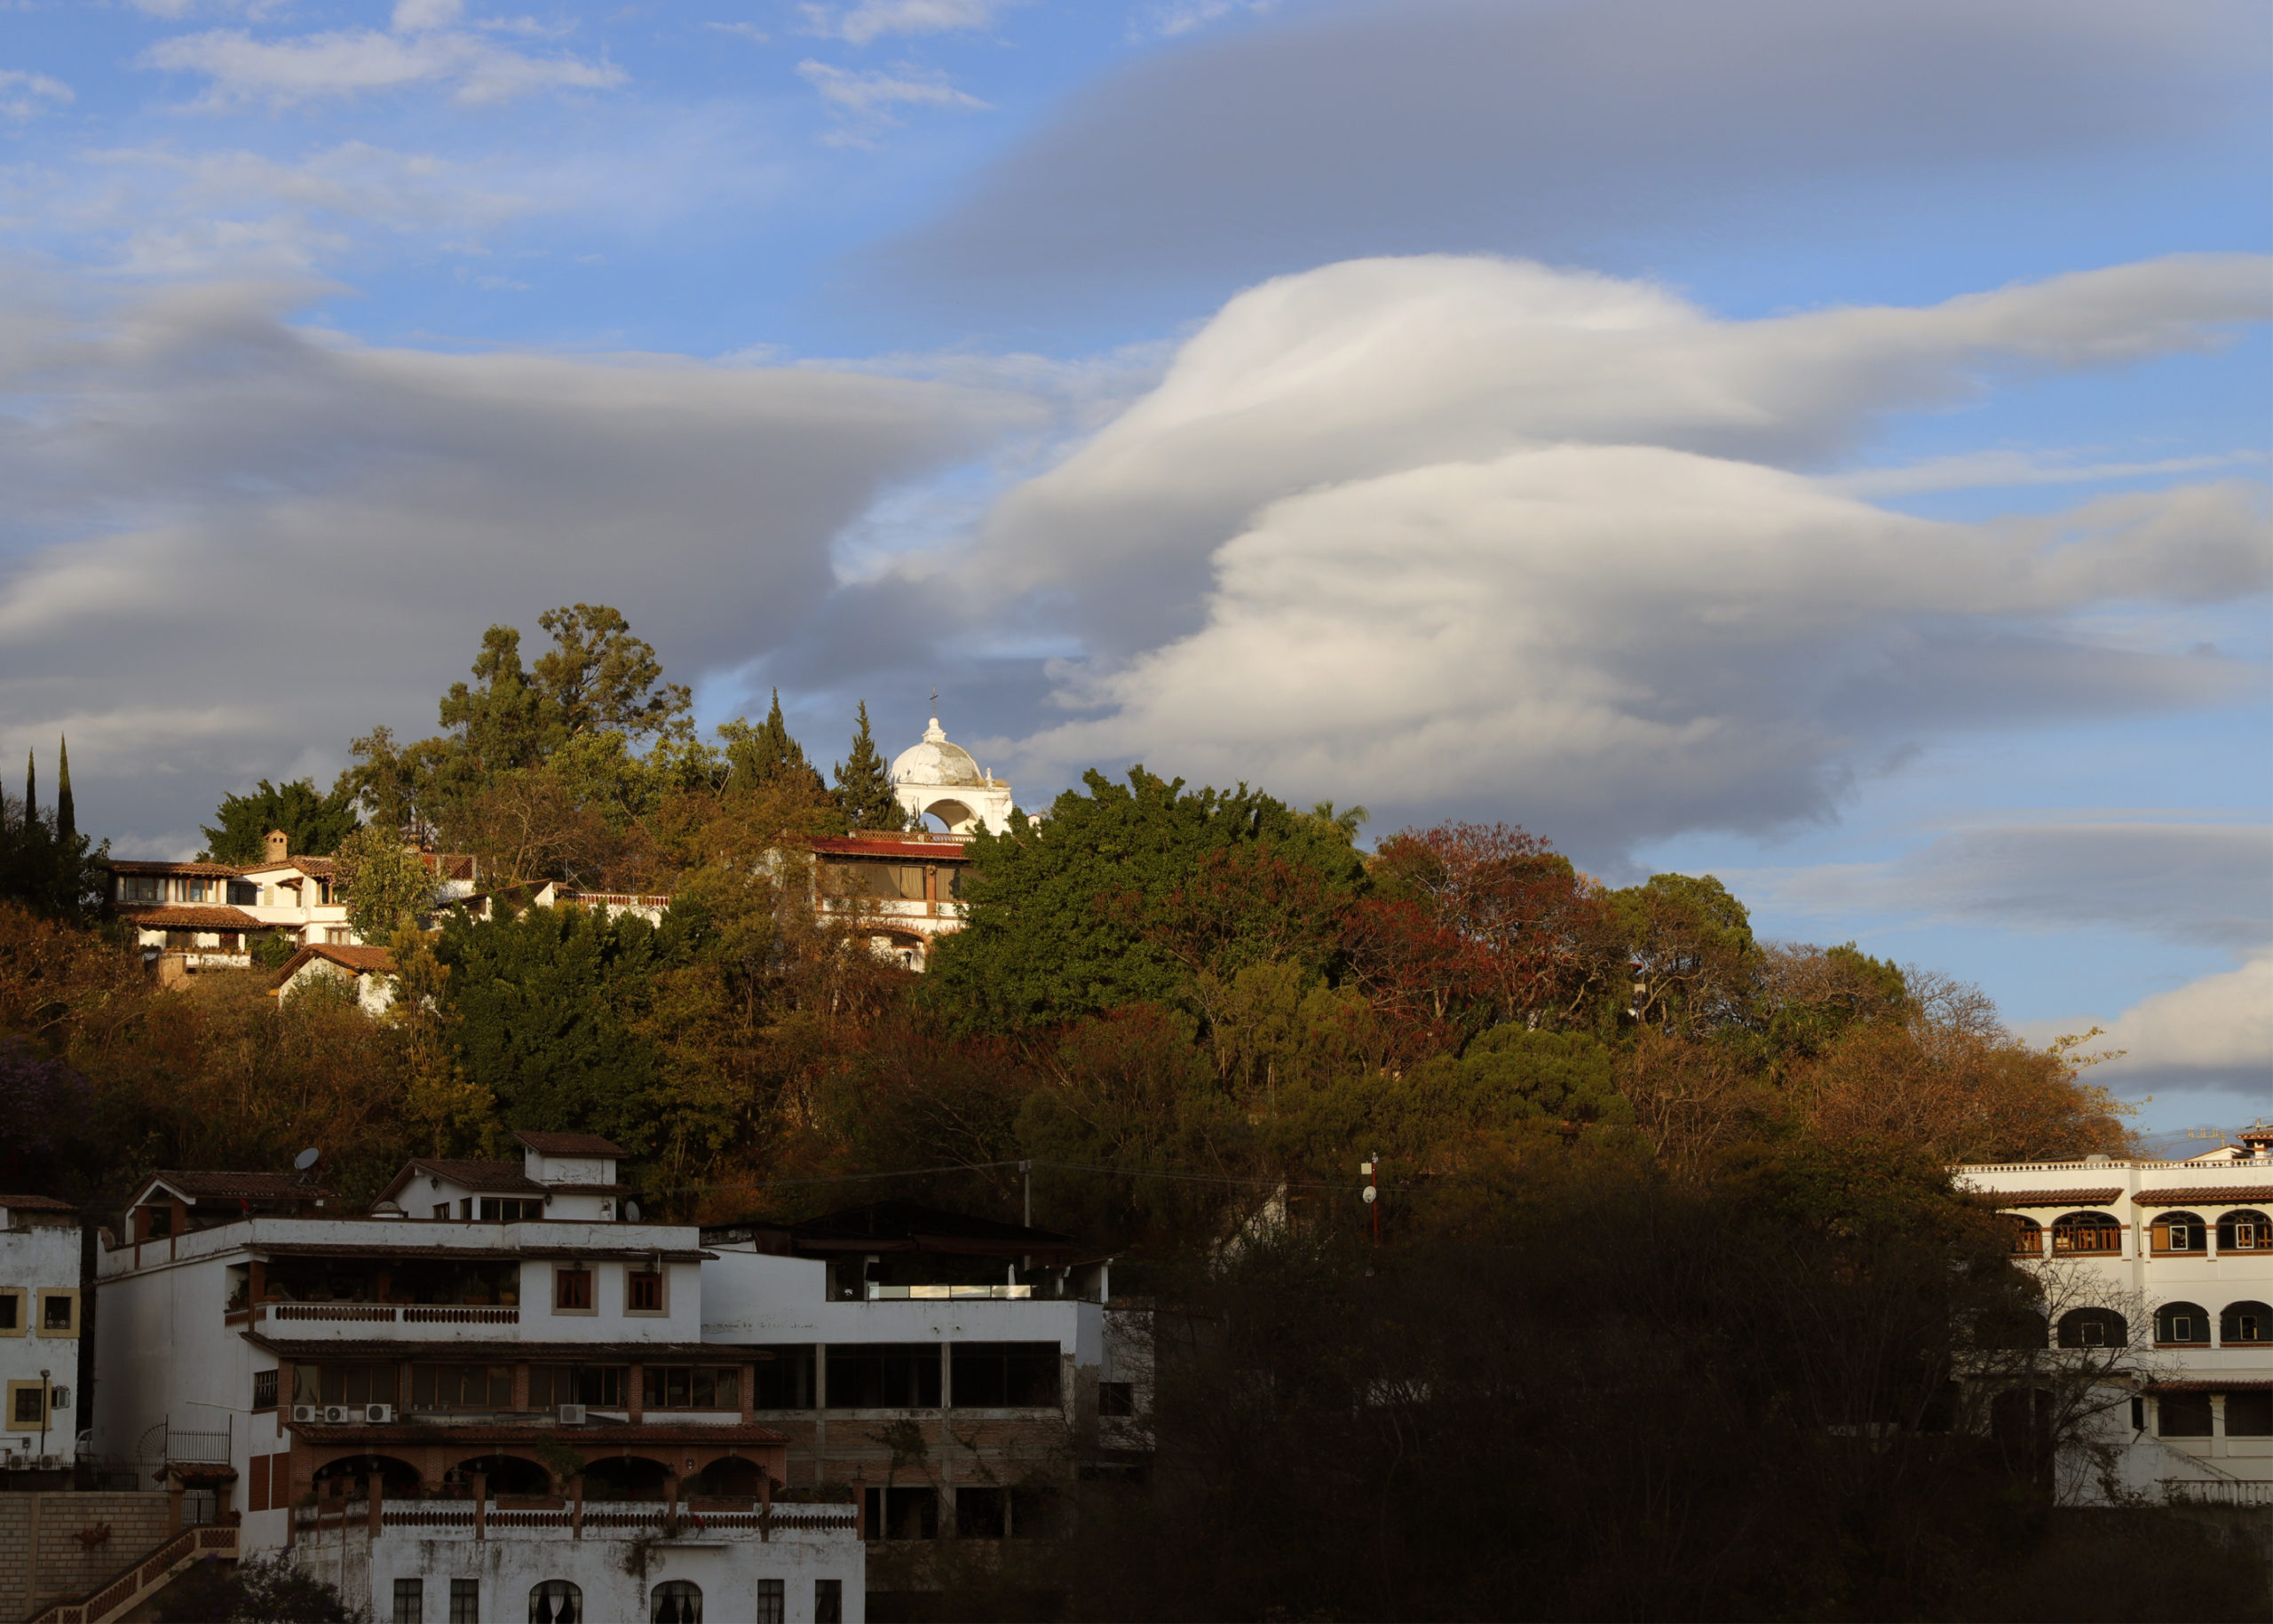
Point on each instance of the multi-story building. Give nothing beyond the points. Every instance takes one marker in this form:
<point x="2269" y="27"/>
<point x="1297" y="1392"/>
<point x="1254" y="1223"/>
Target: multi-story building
<point x="2160" y="1276"/>
<point x="950" y="1370"/>
<point x="42" y="1312"/>
<point x="488" y="1397"/>
<point x="209" y="915"/>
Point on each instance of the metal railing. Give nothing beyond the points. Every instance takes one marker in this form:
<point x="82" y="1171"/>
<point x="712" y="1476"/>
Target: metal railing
<point x="383" y="1313"/>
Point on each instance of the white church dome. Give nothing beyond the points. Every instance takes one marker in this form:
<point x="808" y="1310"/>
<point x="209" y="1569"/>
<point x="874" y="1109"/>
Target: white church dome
<point x="936" y="761"/>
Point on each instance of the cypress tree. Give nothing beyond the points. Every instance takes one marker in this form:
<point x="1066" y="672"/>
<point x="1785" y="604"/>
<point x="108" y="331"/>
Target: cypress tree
<point x="67" y="823"/>
<point x="864" y="787"/>
<point x="31" y="788"/>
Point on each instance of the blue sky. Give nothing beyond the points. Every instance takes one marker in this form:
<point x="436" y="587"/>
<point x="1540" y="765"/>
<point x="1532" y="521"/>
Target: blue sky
<point x="1823" y="446"/>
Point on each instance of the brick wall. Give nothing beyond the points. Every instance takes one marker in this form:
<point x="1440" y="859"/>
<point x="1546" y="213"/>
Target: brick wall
<point x="67" y="1566"/>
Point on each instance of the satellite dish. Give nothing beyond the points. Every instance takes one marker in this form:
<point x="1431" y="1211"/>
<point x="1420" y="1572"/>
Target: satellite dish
<point x="631" y="1211"/>
<point x="307" y="1158"/>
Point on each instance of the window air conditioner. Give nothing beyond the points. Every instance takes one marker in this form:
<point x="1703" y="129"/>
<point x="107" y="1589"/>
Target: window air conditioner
<point x="572" y="1415"/>
<point x="337" y="1415"/>
<point x="378" y="1414"/>
<point x="306" y="1412"/>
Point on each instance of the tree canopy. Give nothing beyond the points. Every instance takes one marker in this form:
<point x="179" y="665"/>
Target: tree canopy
<point x="313" y="823"/>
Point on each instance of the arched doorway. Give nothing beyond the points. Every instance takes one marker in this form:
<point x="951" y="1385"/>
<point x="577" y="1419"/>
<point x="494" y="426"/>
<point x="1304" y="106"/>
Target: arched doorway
<point x="507" y="1474"/>
<point x="625" y="1478"/>
<point x="728" y="1480"/>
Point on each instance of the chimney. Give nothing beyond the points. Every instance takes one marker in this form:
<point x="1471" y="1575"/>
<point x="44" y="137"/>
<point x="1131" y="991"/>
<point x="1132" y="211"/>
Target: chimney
<point x="278" y="845"/>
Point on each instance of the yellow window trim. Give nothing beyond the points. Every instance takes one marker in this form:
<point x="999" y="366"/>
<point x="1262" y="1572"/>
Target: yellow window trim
<point x="26" y="1426"/>
<point x="23" y="1310"/>
<point x="48" y="1293"/>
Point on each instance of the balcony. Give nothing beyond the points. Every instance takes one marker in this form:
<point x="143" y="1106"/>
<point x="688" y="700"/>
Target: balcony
<point x="385" y="1313"/>
<point x="690" y="1522"/>
<point x="878" y="1293"/>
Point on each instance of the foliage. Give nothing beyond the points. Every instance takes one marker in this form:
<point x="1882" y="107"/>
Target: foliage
<point x="43" y="1105"/>
<point x="45" y="863"/>
<point x="254" y="1590"/>
<point x="863" y="794"/>
<point x="313" y="824"/>
<point x="382" y="881"/>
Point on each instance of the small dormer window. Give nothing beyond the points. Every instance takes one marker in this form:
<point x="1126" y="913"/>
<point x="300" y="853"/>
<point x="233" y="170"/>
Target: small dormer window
<point x="159" y="1221"/>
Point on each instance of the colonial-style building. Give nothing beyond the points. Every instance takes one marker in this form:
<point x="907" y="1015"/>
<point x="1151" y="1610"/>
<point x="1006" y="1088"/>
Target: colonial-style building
<point x="42" y="1314"/>
<point x="934" y="779"/>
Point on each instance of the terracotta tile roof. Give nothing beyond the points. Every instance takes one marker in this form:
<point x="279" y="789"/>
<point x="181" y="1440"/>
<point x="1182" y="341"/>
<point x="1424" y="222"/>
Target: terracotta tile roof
<point x="2056" y="1198"/>
<point x="433" y="1237"/>
<point x="504" y="1176"/>
<point x="320" y="867"/>
<point x="201" y="1185"/>
<point x="37" y="1203"/>
<point x="358" y="961"/>
<point x="569" y="1143"/>
<point x="191" y="916"/>
<point x="2208" y="1194"/>
<point x="127" y="865"/>
<point x="538" y="1427"/>
<point x="887" y="845"/>
<point x="334" y="1348"/>
<point x="2215" y="1384"/>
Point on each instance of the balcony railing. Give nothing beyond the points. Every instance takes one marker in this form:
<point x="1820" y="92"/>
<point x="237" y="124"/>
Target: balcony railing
<point x="948" y="1293"/>
<point x="386" y="1313"/>
<point x="606" y="1519"/>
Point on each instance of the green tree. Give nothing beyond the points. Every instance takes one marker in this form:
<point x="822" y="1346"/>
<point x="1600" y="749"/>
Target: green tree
<point x="45" y="863"/>
<point x="765" y="756"/>
<point x="600" y="678"/>
<point x="1512" y="1075"/>
<point x="385" y="882"/>
<point x="863" y="785"/>
<point x="1088" y="917"/>
<point x="313" y="824"/>
<point x="1691" y="943"/>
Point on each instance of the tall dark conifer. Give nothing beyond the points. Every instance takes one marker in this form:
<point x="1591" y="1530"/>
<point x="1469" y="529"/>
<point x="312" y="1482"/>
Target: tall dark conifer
<point x="31" y="788"/>
<point x="864" y="787"/>
<point x="66" y="822"/>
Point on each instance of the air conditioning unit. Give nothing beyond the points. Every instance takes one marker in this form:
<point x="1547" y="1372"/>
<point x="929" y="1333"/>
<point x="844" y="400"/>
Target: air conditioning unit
<point x="378" y="1414"/>
<point x="337" y="1415"/>
<point x="307" y="1412"/>
<point x="572" y="1415"/>
<point x="47" y="1463"/>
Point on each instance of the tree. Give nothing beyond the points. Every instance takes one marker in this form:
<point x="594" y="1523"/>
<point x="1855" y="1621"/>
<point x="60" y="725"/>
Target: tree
<point x="313" y="824"/>
<point x="767" y="758"/>
<point x="384" y="881"/>
<point x="863" y="787"/>
<point x="53" y="869"/>
<point x="67" y="811"/>
<point x="600" y="678"/>
<point x="257" y="1590"/>
<point x="1057" y="925"/>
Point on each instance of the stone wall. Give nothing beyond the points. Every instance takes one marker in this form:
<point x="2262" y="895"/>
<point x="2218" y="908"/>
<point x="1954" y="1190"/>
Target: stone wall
<point x="43" y="1559"/>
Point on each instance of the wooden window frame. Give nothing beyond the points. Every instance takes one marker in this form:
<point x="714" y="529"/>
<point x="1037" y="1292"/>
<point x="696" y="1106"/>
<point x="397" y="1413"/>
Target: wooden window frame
<point x="562" y="1273"/>
<point x="662" y="1276"/>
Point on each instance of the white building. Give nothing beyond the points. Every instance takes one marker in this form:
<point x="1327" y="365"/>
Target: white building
<point x="40" y="1327"/>
<point x="902" y="890"/>
<point x="938" y="779"/>
<point x="2172" y="1261"/>
<point x="488" y="1396"/>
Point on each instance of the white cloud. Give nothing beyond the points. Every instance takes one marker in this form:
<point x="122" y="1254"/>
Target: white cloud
<point x="2215" y="1032"/>
<point x="750" y="31"/>
<point x="866" y="100"/>
<point x="1996" y="469"/>
<point x="24" y="94"/>
<point x="348" y="519"/>
<point x="872" y="19"/>
<point x="1178" y="17"/>
<point x="1437" y="530"/>
<point x="357" y="61"/>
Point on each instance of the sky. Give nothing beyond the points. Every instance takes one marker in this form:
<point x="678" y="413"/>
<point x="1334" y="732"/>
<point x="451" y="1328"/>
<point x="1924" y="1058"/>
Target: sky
<point x="1825" y="447"/>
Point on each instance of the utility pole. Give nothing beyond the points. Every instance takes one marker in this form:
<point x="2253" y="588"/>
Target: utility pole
<point x="1372" y="1192"/>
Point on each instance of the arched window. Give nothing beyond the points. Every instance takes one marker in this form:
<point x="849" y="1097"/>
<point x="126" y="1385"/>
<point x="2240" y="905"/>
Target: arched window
<point x="2028" y="1236"/>
<point x="2246" y="1232"/>
<point x="677" y="1600"/>
<point x="2182" y="1324"/>
<point x="556" y="1601"/>
<point x="2093" y="1327"/>
<point x="2177" y="1232"/>
<point x="2246" y="1322"/>
<point x="2096" y="1233"/>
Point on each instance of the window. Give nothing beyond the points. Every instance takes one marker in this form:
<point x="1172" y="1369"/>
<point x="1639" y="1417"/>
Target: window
<point x="510" y="1210"/>
<point x="58" y="1313"/>
<point x="441" y="1209"/>
<point x="2244" y="1232"/>
<point x="160" y="1218"/>
<point x="980" y="1513"/>
<point x="992" y="1375"/>
<point x="1116" y="1400"/>
<point x="679" y="1601"/>
<point x="2246" y="1322"/>
<point x="26" y="1405"/>
<point x="829" y="1601"/>
<point x="786" y="1380"/>
<point x="2028" y="1237"/>
<point x="693" y="1387"/>
<point x="556" y="1601"/>
<point x="264" y="1389"/>
<point x="465" y="1601"/>
<point x="339" y="936"/>
<point x="141" y="888"/>
<point x="2096" y="1232"/>
<point x="643" y="1291"/>
<point x="2183" y="1416"/>
<point x="571" y="1291"/>
<point x="1033" y="1514"/>
<point x="2249" y="1415"/>
<point x="243" y="893"/>
<point x="229" y="941"/>
<point x="2177" y="1232"/>
<point x="884" y="1376"/>
<point x="600" y="1386"/>
<point x="12" y="1312"/>
<point x="343" y="1384"/>
<point x="196" y="889"/>
<point x="410" y="1601"/>
<point x="461" y="1387"/>
<point x="2094" y="1327"/>
<point x="902" y="1513"/>
<point x="772" y="1603"/>
<point x="2183" y="1324"/>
